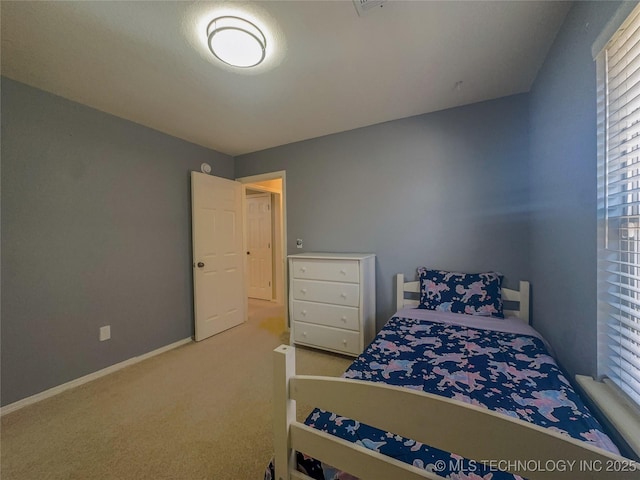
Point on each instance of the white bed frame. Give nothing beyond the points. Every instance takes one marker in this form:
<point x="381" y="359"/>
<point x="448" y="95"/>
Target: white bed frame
<point x="473" y="432"/>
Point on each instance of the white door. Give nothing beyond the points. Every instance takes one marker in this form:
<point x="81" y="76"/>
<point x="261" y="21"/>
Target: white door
<point x="259" y="256"/>
<point x="218" y="255"/>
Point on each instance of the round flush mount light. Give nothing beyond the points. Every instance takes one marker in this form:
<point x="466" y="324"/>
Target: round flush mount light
<point x="236" y="41"/>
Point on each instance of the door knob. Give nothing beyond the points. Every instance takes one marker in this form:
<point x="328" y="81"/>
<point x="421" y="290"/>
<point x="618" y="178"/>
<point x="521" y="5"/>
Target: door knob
<point x="200" y="264"/>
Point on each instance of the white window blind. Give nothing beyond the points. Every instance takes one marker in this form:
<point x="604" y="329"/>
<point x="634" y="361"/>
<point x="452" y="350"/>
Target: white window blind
<point x="619" y="200"/>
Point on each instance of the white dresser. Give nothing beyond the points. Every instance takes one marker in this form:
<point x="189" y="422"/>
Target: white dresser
<point x="332" y="300"/>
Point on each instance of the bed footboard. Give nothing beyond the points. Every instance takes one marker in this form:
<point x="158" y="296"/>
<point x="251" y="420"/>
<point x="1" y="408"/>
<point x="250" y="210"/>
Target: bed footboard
<point x="434" y="420"/>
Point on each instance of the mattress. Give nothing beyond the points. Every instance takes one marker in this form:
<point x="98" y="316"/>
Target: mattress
<point x="499" y="364"/>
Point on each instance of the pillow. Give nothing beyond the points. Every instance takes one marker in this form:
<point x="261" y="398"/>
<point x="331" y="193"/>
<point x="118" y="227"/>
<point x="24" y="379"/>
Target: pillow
<point x="470" y="293"/>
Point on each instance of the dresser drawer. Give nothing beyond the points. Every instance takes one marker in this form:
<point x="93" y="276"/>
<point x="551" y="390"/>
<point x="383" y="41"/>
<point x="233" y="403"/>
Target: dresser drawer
<point x="325" y="314"/>
<point x="347" y="294"/>
<point x="327" y="337"/>
<point x="331" y="270"/>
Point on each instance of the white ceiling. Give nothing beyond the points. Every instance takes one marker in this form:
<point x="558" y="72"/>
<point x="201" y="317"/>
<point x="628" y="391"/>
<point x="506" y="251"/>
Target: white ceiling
<point x="332" y="70"/>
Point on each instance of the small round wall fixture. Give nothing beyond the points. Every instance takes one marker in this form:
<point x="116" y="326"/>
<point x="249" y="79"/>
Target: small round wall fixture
<point x="236" y="41"/>
<point x="205" y="168"/>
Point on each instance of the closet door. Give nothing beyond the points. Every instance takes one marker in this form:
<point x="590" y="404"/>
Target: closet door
<point x="259" y="255"/>
<point x="220" y="301"/>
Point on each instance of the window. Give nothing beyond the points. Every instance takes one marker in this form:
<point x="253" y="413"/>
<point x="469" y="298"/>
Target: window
<point x="619" y="208"/>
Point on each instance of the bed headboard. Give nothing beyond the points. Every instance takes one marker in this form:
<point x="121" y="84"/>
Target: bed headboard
<point x="520" y="296"/>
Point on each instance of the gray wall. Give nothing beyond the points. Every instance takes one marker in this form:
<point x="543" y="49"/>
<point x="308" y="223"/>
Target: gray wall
<point x="445" y="190"/>
<point x="563" y="189"/>
<point x="95" y="231"/>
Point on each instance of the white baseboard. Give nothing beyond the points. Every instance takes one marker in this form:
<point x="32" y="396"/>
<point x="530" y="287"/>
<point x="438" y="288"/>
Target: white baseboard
<point x="12" y="407"/>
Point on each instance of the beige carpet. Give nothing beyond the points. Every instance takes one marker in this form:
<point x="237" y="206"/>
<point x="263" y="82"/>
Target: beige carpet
<point x="201" y="411"/>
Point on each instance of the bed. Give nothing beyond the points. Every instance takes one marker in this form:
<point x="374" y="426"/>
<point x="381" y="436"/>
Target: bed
<point x="435" y="382"/>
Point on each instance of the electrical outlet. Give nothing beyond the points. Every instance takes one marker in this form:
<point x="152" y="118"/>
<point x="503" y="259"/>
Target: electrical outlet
<point x="299" y="243"/>
<point x="105" y="333"/>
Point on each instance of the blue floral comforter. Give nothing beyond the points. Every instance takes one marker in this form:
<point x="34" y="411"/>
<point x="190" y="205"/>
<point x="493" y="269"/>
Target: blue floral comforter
<point x="511" y="373"/>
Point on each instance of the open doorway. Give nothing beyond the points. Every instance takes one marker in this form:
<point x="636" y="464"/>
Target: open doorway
<point x="265" y="240"/>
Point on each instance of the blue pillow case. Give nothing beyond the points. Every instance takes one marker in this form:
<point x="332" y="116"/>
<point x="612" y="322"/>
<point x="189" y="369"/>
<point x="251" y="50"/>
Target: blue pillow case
<point x="470" y="293"/>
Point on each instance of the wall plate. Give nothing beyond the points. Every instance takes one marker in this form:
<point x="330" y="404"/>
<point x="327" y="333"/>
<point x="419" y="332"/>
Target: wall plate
<point x="364" y="6"/>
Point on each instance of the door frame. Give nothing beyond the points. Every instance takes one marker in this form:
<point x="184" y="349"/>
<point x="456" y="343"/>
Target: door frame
<point x="281" y="174"/>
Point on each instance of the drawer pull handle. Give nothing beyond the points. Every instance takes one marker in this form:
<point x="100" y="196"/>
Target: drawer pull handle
<point x="304" y="312"/>
<point x="343" y="271"/>
<point x="304" y="334"/>
<point x="344" y="342"/>
<point x="344" y="319"/>
<point x="303" y="290"/>
<point x="343" y="295"/>
<point x="303" y="269"/>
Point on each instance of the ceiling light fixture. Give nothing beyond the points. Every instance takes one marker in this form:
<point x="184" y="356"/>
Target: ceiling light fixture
<point x="236" y="41"/>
